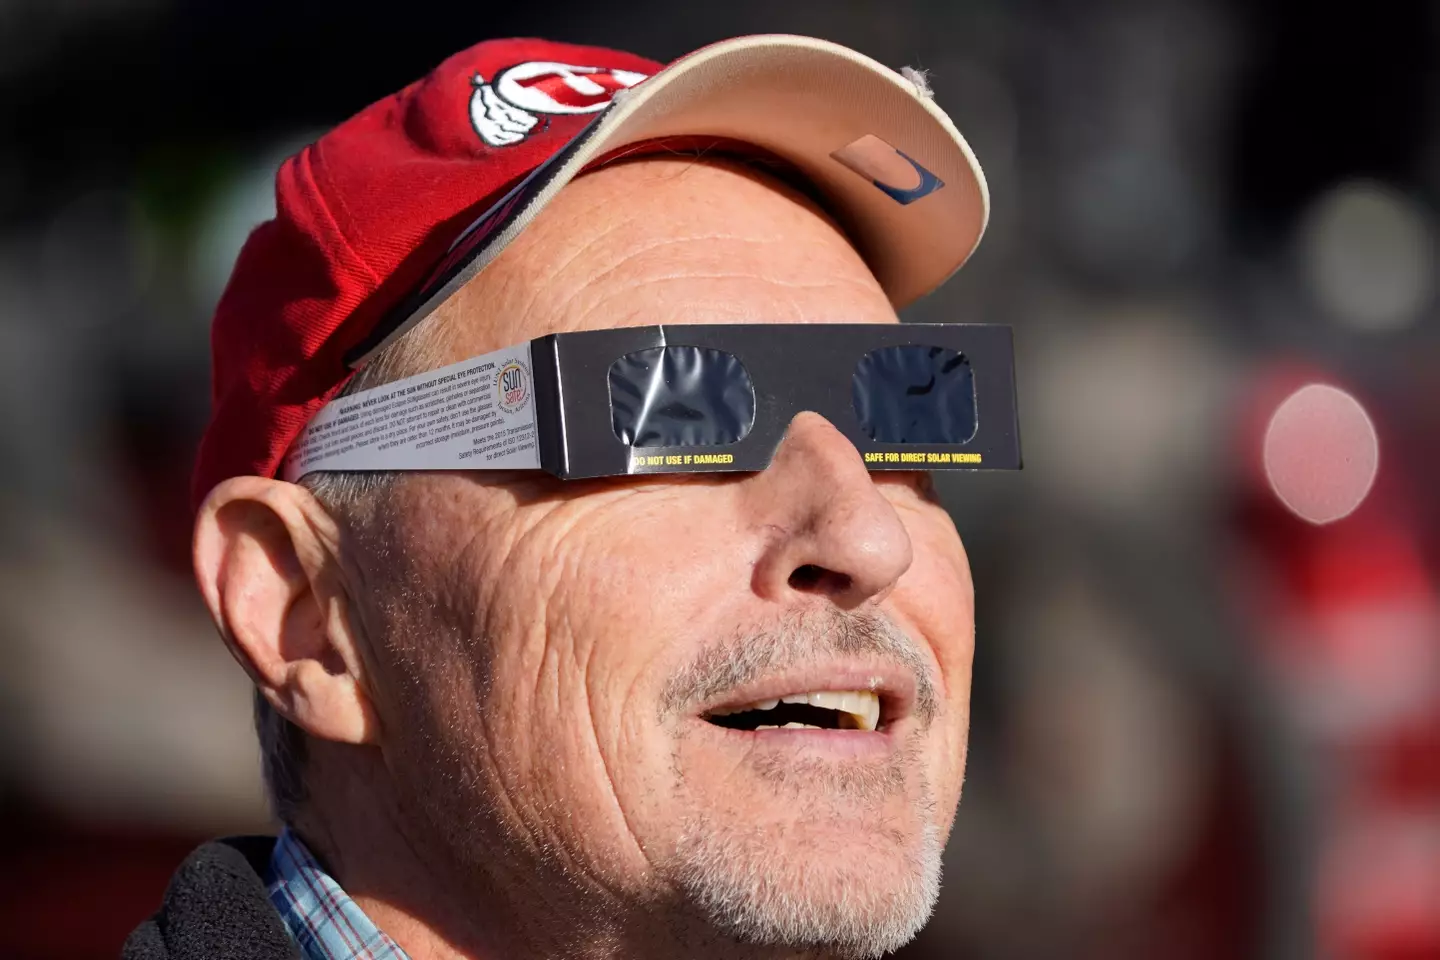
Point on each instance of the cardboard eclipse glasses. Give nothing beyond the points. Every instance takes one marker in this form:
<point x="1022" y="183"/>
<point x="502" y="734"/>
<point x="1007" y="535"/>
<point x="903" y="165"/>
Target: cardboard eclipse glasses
<point x="683" y="399"/>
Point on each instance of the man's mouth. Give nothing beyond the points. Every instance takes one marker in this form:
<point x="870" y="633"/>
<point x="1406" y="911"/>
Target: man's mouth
<point x="817" y="710"/>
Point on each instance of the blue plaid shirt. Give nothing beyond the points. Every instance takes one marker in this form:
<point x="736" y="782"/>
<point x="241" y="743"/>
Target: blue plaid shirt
<point x="325" y="922"/>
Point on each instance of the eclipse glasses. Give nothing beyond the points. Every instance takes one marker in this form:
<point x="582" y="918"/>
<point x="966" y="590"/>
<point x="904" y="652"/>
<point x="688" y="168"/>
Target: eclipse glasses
<point x="686" y="399"/>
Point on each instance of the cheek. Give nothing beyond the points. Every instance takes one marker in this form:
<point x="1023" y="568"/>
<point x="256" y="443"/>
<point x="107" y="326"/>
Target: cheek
<point x="593" y="606"/>
<point x="935" y="599"/>
<point x="609" y="586"/>
<point x="936" y="596"/>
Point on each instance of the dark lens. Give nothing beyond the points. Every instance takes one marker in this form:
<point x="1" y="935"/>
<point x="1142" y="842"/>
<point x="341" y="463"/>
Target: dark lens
<point x="680" y="397"/>
<point x="915" y="394"/>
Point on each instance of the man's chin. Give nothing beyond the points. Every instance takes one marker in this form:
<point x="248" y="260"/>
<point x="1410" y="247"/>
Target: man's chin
<point x="847" y="886"/>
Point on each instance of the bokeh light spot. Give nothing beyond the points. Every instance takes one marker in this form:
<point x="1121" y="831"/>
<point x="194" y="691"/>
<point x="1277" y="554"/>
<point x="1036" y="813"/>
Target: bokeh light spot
<point x="1368" y="254"/>
<point x="1321" y="453"/>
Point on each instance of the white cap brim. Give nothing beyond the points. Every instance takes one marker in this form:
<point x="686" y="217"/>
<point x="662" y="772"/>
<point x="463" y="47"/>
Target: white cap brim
<point x="805" y="101"/>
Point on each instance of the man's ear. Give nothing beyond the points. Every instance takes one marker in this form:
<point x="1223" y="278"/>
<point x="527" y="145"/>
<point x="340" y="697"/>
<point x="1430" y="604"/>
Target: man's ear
<point x="267" y="557"/>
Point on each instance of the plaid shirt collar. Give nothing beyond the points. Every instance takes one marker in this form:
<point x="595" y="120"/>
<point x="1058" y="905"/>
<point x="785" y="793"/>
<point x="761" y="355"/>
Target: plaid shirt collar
<point x="325" y="922"/>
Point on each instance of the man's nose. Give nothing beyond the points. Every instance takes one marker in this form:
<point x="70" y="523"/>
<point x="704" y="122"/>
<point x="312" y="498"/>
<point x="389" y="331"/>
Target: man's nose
<point x="829" y="530"/>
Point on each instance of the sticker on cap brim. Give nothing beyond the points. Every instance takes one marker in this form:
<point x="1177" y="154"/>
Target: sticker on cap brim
<point x="507" y="110"/>
<point x="895" y="173"/>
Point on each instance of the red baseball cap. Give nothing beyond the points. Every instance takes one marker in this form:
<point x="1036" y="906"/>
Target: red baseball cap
<point x="387" y="215"/>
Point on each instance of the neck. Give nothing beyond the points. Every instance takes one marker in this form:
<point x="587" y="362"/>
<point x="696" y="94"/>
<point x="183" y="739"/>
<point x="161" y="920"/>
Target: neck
<point x="415" y="889"/>
<point x="357" y="828"/>
<point x="434" y="904"/>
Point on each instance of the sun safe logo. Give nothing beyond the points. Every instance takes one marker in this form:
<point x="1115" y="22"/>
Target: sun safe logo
<point x="505" y="111"/>
<point x="512" y="387"/>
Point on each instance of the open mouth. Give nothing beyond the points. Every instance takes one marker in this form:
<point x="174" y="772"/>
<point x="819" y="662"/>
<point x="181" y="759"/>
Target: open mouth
<point x="822" y="710"/>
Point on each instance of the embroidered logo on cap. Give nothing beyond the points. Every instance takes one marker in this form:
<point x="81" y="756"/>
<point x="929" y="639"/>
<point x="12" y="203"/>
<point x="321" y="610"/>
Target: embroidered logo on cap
<point x="504" y="111"/>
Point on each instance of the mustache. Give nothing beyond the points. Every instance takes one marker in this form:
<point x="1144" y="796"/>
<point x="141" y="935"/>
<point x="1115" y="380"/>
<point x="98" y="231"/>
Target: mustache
<point x="800" y="640"/>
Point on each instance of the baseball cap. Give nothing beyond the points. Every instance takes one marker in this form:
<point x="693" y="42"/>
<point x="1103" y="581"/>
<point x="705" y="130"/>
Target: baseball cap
<point x="383" y="218"/>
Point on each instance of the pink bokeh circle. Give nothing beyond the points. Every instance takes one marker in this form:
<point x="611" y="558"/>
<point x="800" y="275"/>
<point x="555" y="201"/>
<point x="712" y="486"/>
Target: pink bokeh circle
<point x="1321" y="453"/>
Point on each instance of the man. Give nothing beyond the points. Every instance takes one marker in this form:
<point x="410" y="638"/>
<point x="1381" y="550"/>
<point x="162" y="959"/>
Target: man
<point x="509" y="715"/>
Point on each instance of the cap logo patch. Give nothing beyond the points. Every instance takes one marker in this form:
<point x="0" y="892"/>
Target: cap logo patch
<point x="893" y="172"/>
<point x="504" y="111"/>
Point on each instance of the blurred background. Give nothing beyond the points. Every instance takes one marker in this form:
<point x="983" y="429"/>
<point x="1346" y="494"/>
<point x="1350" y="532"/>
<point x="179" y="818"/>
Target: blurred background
<point x="1207" y="704"/>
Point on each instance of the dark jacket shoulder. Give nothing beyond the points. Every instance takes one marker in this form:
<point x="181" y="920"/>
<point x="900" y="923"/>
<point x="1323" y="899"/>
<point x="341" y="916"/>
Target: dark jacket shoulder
<point x="216" y="908"/>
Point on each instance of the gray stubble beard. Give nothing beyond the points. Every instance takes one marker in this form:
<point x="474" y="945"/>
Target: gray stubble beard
<point x="735" y="879"/>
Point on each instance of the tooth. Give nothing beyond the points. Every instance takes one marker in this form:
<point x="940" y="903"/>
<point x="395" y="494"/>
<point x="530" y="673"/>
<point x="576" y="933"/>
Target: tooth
<point x="829" y="700"/>
<point x="757" y="705"/>
<point x="862" y="706"/>
<point x="767" y="726"/>
<point x="792" y="725"/>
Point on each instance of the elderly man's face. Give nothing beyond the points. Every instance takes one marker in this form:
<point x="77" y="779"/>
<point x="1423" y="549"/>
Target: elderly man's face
<point x="551" y="658"/>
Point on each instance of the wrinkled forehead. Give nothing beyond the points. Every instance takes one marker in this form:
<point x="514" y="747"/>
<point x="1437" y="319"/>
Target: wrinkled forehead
<point x="670" y="240"/>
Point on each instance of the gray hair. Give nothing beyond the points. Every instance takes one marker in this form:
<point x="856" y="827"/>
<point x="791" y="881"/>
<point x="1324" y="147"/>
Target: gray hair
<point x="283" y="745"/>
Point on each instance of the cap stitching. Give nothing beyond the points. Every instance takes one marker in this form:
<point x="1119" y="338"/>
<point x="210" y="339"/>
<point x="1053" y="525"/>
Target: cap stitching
<point x="324" y="207"/>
